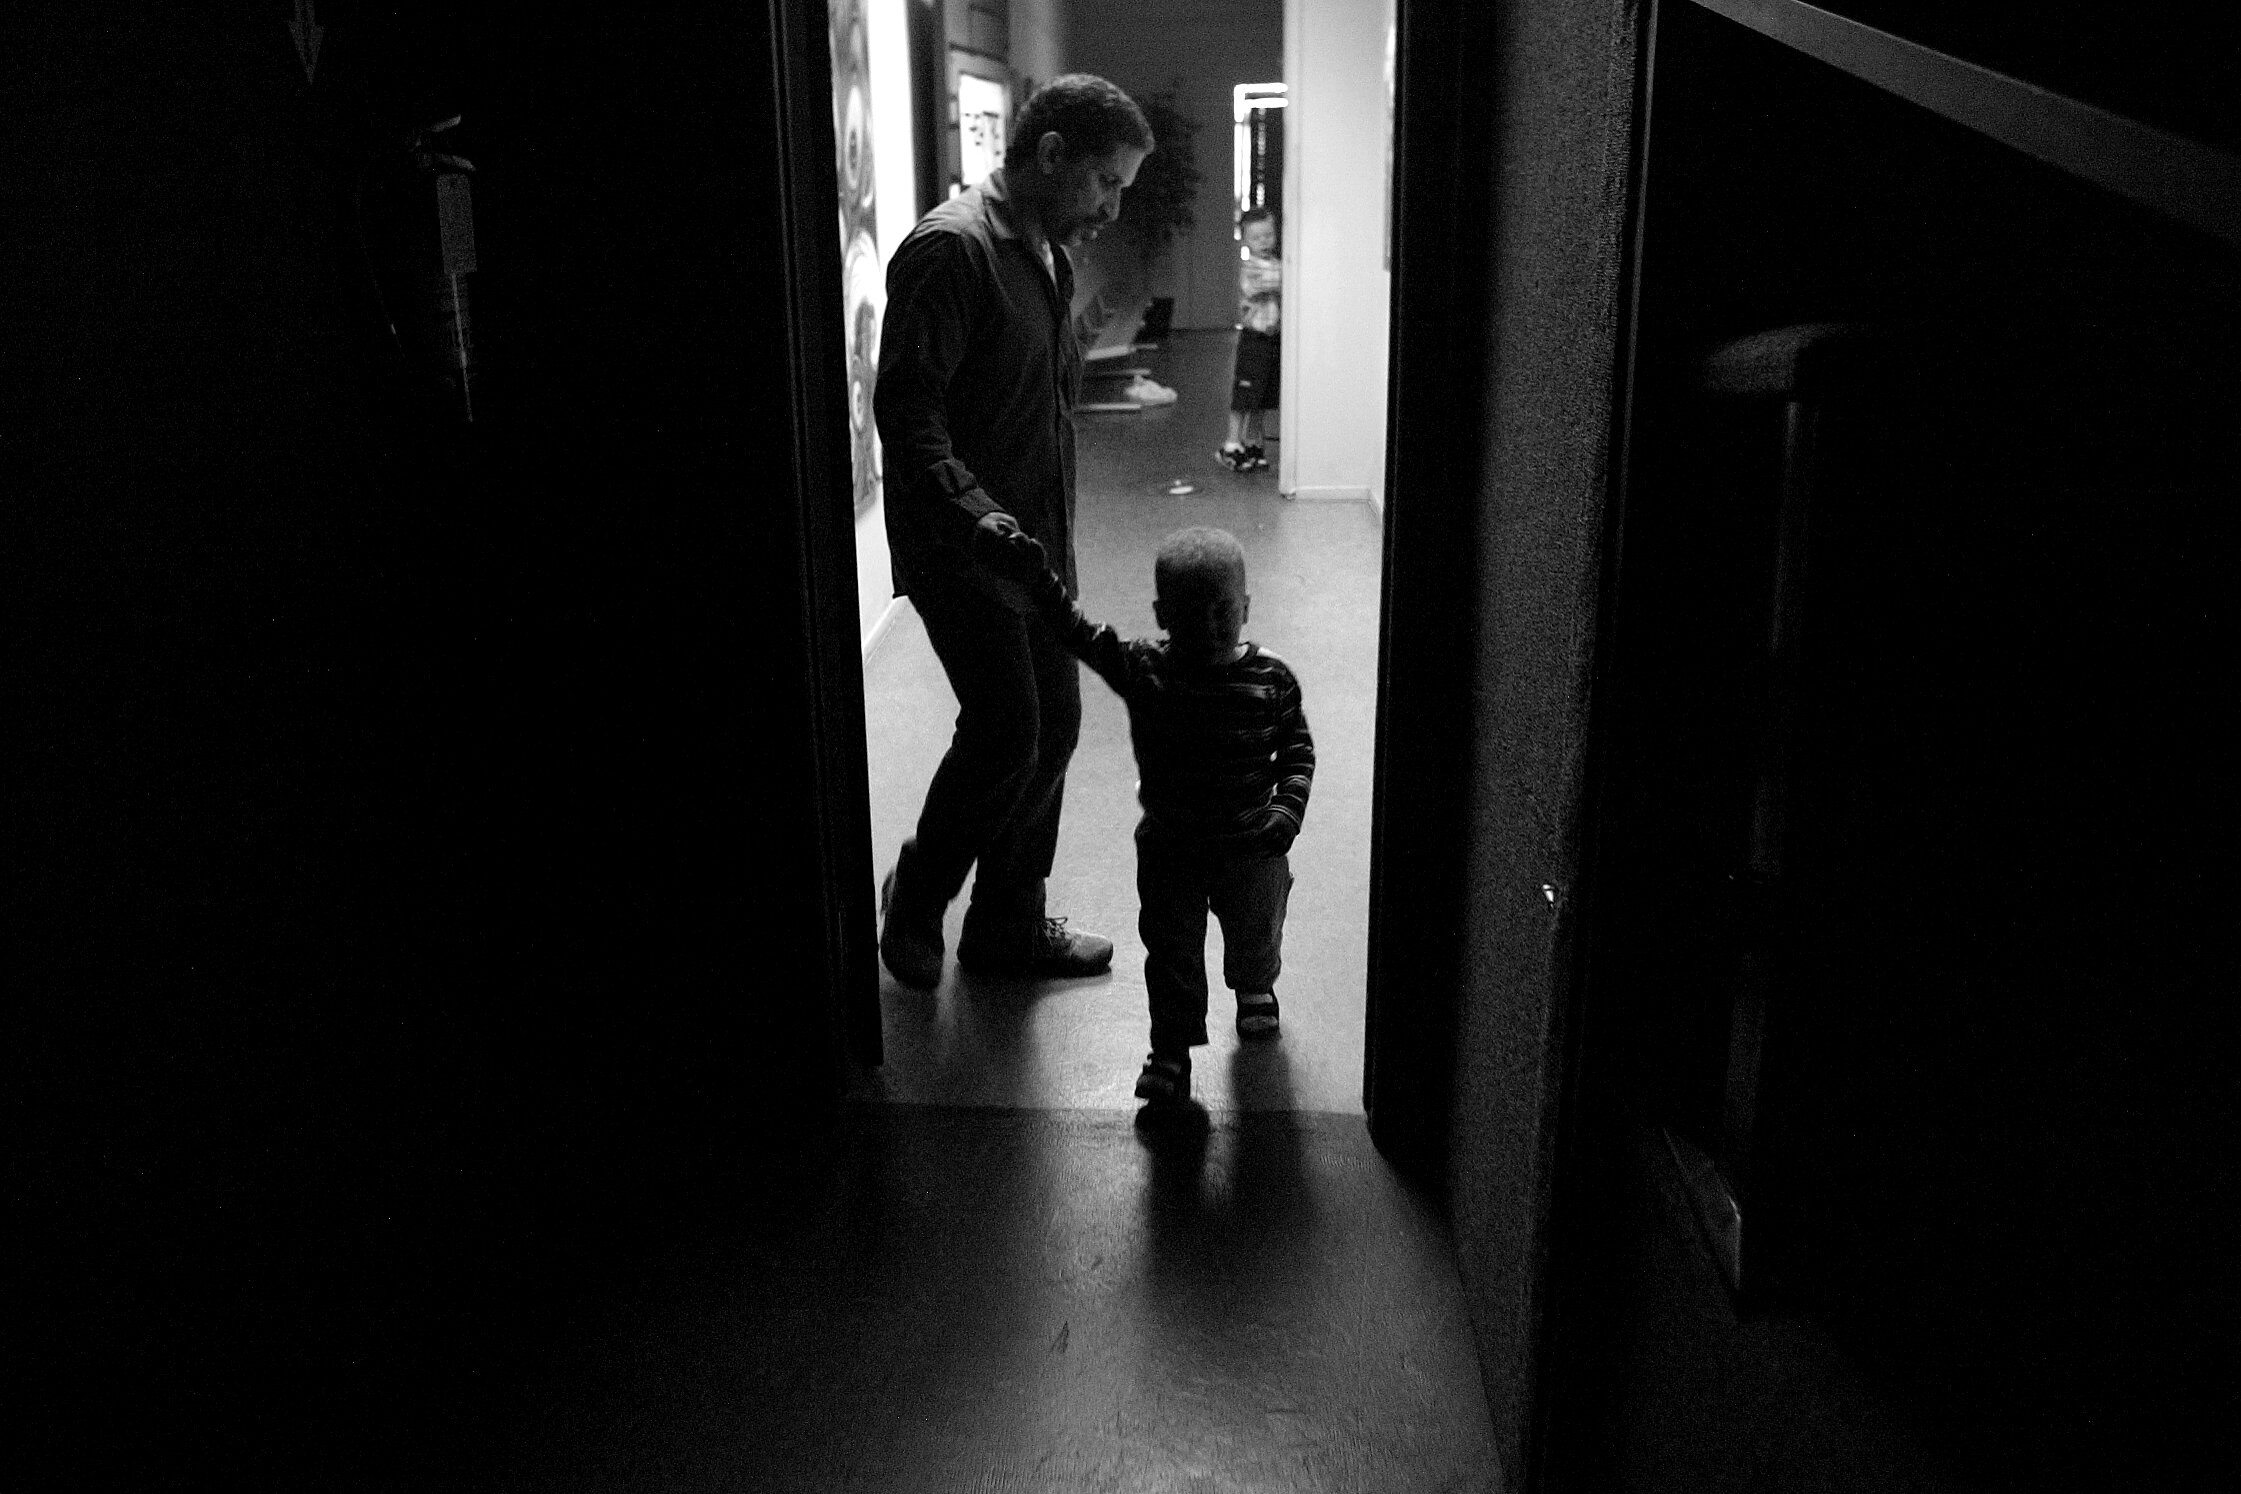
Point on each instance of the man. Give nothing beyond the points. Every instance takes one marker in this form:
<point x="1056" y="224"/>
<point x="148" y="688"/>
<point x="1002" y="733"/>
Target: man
<point x="978" y="371"/>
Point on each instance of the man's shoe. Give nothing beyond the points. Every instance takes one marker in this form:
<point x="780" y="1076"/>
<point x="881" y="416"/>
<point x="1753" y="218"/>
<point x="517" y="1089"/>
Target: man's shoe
<point x="1047" y="948"/>
<point x="1232" y="457"/>
<point x="1146" y="390"/>
<point x="911" y="947"/>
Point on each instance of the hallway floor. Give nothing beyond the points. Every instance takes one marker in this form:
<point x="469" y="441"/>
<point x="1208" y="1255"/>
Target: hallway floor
<point x="1015" y="1278"/>
<point x="1043" y="1302"/>
<point x="1312" y="570"/>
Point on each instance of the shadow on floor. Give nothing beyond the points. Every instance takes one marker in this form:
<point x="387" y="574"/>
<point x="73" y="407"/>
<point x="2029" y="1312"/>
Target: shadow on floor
<point x="1063" y="1300"/>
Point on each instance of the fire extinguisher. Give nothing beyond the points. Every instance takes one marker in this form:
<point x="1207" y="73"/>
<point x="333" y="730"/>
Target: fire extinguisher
<point x="419" y="262"/>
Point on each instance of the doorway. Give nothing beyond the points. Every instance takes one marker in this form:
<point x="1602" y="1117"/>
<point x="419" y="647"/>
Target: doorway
<point x="1145" y="470"/>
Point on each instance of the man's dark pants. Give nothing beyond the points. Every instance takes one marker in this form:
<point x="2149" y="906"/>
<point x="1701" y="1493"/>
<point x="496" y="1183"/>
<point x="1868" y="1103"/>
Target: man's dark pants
<point x="1176" y="886"/>
<point x="995" y="798"/>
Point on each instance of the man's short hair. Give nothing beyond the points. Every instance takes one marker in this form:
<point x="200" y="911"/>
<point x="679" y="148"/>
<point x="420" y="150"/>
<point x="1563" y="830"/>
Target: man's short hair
<point x="1196" y="558"/>
<point x="1089" y="114"/>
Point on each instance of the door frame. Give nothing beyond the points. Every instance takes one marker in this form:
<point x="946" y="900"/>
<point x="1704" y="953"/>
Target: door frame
<point x="1415" y="860"/>
<point x="821" y="530"/>
<point x="1417" y="881"/>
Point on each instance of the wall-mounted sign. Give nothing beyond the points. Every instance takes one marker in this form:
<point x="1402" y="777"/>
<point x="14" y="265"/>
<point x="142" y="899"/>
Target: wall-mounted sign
<point x="1257" y="145"/>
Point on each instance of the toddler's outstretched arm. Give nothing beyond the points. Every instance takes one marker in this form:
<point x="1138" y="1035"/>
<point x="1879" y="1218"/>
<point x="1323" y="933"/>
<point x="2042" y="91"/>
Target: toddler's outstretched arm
<point x="1095" y="644"/>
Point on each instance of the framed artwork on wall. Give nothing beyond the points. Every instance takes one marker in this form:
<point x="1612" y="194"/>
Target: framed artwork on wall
<point x="980" y="106"/>
<point x="863" y="284"/>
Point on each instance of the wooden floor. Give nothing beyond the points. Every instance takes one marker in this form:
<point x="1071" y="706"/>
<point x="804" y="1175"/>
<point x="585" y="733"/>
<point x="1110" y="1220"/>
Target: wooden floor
<point x="1014" y="1279"/>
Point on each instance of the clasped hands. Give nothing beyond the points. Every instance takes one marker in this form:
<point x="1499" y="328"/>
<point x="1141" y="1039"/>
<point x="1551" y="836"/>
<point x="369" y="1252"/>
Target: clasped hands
<point x="1007" y="548"/>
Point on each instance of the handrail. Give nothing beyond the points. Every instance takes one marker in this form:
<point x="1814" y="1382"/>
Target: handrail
<point x="2184" y="179"/>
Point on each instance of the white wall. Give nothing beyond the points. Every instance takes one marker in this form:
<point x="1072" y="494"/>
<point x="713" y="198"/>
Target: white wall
<point x="1337" y="294"/>
<point x="887" y="35"/>
<point x="1038" y="37"/>
<point x="887" y="32"/>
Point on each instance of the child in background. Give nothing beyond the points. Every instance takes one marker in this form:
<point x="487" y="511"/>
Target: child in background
<point x="1253" y="390"/>
<point x="1226" y="762"/>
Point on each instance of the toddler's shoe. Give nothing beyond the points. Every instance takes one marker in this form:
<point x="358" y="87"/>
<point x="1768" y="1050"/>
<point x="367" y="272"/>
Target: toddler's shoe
<point x="1256" y="1014"/>
<point x="1046" y="948"/>
<point x="1232" y="457"/>
<point x="1165" y="1081"/>
<point x="1146" y="390"/>
<point x="1254" y="460"/>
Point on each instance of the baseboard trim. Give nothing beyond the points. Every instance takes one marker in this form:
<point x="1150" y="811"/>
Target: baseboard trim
<point x="878" y="629"/>
<point x="1330" y="495"/>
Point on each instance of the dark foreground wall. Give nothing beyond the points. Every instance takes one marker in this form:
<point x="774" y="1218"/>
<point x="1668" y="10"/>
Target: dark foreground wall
<point x="410" y="851"/>
<point x="1983" y="1156"/>
<point x="1979" y="1152"/>
<point x="1989" y="1186"/>
<point x="1512" y="171"/>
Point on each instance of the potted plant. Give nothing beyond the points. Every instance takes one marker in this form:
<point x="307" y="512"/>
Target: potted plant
<point x="1159" y="208"/>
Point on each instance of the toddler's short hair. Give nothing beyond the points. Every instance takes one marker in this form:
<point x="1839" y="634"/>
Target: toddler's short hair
<point x="1088" y="113"/>
<point x="1257" y="215"/>
<point x="1198" y="557"/>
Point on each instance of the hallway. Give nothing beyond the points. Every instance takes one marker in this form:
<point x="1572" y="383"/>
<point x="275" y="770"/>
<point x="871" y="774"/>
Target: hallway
<point x="429" y="1034"/>
<point x="1312" y="570"/>
<point x="1015" y="1281"/>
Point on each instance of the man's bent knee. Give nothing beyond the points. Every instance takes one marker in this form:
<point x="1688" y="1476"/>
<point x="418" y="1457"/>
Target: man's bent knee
<point x="1001" y="753"/>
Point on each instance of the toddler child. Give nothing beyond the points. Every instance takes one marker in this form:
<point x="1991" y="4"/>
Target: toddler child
<point x="1226" y="762"/>
<point x="1253" y="389"/>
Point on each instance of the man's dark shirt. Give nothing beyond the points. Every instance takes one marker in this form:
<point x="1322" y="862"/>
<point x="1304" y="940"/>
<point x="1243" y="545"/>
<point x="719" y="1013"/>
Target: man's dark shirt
<point x="979" y="368"/>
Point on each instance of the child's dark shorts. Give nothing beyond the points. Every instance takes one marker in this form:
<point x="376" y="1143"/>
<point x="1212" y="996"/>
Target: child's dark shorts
<point x="1255" y="387"/>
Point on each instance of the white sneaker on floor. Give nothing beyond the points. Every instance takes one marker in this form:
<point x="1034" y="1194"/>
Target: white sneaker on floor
<point x="1145" y="391"/>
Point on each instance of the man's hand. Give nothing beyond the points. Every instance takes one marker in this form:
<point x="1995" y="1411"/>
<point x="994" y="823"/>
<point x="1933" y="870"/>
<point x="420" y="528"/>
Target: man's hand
<point x="1008" y="549"/>
<point x="992" y="539"/>
<point x="994" y="528"/>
